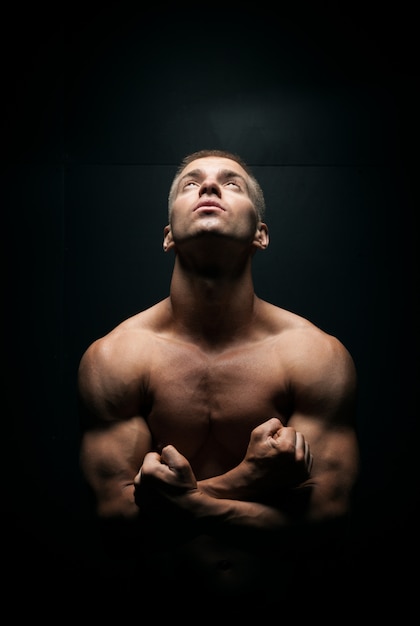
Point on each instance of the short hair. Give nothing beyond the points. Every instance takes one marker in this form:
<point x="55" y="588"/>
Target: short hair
<point x="256" y="193"/>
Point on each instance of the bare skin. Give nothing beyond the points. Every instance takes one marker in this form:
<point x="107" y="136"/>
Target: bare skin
<point x="216" y="421"/>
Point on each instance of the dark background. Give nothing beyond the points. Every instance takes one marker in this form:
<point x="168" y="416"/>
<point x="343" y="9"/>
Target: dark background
<point x="99" y="106"/>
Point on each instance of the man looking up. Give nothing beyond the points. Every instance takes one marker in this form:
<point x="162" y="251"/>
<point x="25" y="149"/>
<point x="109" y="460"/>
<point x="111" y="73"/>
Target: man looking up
<point x="218" y="429"/>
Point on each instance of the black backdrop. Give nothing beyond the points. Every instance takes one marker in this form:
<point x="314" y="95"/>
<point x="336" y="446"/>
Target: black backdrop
<point x="99" y="106"/>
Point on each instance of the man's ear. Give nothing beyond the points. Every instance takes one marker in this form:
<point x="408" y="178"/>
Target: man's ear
<point x="168" y="242"/>
<point x="261" y="237"/>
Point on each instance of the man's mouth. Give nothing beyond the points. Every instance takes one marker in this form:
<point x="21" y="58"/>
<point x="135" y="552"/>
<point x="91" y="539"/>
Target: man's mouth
<point x="209" y="204"/>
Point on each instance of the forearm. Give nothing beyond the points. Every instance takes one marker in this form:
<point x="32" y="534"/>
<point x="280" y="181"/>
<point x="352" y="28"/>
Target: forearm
<point x="241" y="499"/>
<point x="236" y="484"/>
<point x="250" y="482"/>
<point x="303" y="522"/>
<point x="210" y="514"/>
<point x="320" y="499"/>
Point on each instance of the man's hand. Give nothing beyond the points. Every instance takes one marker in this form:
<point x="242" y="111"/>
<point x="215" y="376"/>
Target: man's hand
<point x="164" y="487"/>
<point x="168" y="472"/>
<point x="277" y="457"/>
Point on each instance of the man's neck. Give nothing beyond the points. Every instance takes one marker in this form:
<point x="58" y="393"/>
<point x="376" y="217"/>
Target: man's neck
<point x="211" y="306"/>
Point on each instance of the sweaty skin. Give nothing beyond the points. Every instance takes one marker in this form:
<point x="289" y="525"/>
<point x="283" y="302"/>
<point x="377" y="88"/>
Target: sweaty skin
<point x="218" y="427"/>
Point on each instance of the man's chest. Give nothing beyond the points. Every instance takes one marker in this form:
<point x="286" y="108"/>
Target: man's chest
<point x="226" y="394"/>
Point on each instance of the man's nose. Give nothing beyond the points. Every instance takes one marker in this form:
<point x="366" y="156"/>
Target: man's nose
<point x="210" y="186"/>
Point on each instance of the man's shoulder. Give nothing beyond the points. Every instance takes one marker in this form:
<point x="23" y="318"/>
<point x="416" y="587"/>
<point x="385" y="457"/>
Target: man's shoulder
<point x="285" y="321"/>
<point x="147" y="320"/>
<point x="312" y="357"/>
<point x="130" y="332"/>
<point x="300" y="333"/>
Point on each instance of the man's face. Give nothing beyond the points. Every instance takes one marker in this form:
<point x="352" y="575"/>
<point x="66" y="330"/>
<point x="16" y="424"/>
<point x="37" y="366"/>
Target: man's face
<point x="213" y="197"/>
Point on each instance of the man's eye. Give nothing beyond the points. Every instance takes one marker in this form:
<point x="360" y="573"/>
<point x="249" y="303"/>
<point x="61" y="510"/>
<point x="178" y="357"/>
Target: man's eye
<point x="190" y="183"/>
<point x="232" y="182"/>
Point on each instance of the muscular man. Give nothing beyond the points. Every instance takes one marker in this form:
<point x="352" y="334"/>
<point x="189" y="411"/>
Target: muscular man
<point x="218" y="429"/>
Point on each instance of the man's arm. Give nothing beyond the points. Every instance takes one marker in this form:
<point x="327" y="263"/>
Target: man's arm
<point x="274" y="486"/>
<point x="110" y="456"/>
<point x="115" y="437"/>
<point x="324" y="393"/>
<point x="166" y="486"/>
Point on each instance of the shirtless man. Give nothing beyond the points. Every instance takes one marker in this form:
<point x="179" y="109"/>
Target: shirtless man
<point x="218" y="428"/>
